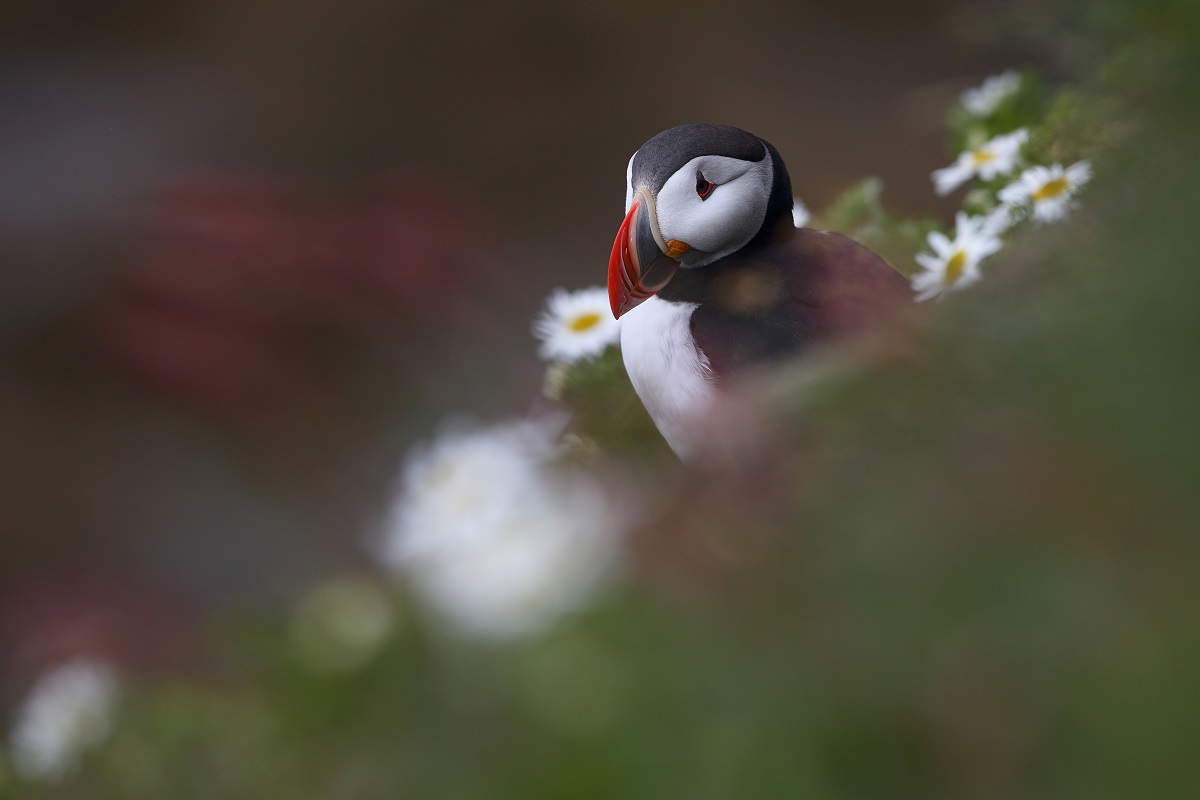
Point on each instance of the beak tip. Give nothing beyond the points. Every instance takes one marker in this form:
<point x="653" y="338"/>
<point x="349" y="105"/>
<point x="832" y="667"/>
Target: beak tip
<point x="614" y="300"/>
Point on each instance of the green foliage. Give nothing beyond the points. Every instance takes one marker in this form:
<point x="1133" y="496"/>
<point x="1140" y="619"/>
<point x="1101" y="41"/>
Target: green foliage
<point x="605" y="409"/>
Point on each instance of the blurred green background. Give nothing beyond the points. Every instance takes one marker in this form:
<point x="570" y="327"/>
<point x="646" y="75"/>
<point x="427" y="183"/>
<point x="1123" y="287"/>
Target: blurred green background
<point x="252" y="251"/>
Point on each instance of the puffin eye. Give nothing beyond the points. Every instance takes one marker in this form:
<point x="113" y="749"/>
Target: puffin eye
<point x="703" y="187"/>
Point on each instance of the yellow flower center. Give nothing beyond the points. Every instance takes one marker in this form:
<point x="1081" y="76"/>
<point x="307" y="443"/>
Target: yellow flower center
<point x="583" y="322"/>
<point x="981" y="157"/>
<point x="1051" y="190"/>
<point x="954" y="268"/>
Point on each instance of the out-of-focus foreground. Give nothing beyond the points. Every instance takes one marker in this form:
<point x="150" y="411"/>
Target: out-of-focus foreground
<point x="254" y="253"/>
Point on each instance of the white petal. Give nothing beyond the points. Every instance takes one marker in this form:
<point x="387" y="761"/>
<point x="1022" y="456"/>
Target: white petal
<point x="929" y="262"/>
<point x="1014" y="193"/>
<point x="986" y="247"/>
<point x="983" y="100"/>
<point x="932" y="291"/>
<point x="997" y="221"/>
<point x="940" y="244"/>
<point x="947" y="179"/>
<point x="1079" y="173"/>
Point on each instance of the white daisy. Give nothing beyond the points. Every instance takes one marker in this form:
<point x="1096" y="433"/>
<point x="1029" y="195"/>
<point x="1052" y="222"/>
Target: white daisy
<point x="954" y="264"/>
<point x="494" y="537"/>
<point x="68" y="711"/>
<point x="984" y="99"/>
<point x="575" y="325"/>
<point x="998" y="156"/>
<point x="997" y="221"/>
<point x="1047" y="190"/>
<point x="800" y="215"/>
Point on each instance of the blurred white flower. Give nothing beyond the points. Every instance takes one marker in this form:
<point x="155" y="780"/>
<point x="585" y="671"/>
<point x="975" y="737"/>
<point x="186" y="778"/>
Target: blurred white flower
<point x="575" y="325"/>
<point x="494" y="537"/>
<point x="984" y="99"/>
<point x="997" y="221"/>
<point x="1048" y="190"/>
<point x="954" y="264"/>
<point x="998" y="156"/>
<point x="68" y="711"/>
<point x="800" y="215"/>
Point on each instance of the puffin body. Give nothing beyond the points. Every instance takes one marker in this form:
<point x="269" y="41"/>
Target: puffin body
<point x="711" y="277"/>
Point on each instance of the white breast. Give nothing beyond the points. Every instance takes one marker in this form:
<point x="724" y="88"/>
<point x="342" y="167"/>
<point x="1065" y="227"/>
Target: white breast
<point x="671" y="376"/>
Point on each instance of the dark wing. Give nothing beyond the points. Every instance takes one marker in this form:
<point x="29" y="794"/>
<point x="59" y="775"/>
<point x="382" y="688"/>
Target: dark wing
<point x="810" y="287"/>
<point x="842" y="287"/>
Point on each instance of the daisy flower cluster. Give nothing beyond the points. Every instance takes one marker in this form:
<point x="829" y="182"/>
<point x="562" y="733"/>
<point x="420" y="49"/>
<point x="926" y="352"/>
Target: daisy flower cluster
<point x="1009" y="190"/>
<point x="68" y="711"/>
<point x="494" y="536"/>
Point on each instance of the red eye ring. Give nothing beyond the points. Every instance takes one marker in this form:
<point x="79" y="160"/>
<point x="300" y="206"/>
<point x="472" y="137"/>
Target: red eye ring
<point x="704" y="187"/>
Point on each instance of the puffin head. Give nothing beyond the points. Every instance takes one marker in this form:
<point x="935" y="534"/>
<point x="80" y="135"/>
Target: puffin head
<point x="694" y="195"/>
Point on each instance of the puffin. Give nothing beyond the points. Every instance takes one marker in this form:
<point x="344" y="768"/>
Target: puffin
<point x="712" y="280"/>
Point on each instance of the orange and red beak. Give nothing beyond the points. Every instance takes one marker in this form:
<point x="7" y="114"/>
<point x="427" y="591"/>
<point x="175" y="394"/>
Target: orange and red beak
<point x="641" y="263"/>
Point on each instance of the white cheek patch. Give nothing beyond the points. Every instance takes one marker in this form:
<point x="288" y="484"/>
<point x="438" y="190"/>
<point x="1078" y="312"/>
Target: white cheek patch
<point x="730" y="216"/>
